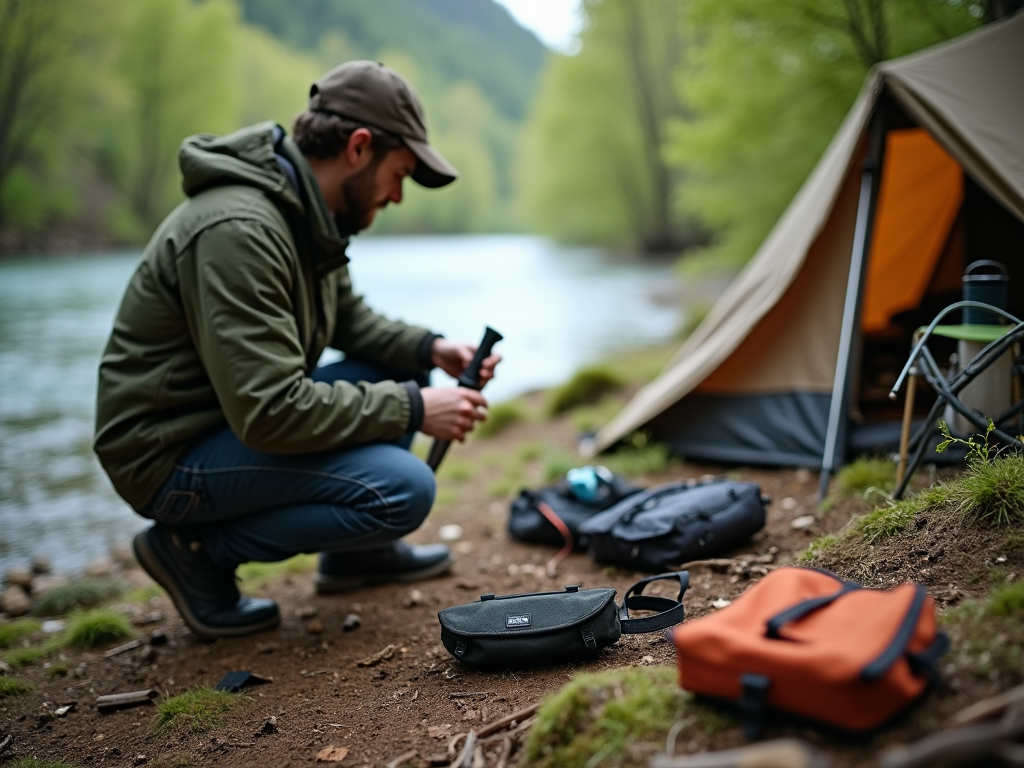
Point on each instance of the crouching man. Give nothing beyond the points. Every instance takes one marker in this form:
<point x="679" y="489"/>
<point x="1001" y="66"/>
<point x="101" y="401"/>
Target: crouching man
<point x="212" y="418"/>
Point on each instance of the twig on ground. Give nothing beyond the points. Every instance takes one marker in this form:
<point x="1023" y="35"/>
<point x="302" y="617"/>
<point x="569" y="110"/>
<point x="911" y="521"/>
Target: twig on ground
<point x="505" y="722"/>
<point x="506" y="752"/>
<point x="403" y="758"/>
<point x="986" y="708"/>
<point x="465" y="758"/>
<point x="131" y="645"/>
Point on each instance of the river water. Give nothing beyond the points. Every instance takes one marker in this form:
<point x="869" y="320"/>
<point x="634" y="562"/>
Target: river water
<point x="558" y="308"/>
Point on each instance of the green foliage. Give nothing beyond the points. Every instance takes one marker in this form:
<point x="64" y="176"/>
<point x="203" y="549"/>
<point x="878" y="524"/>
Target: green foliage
<point x="767" y="85"/>
<point x="587" y="386"/>
<point x="99" y="626"/>
<point x="500" y="416"/>
<point x="605" y="718"/>
<point x="638" y="460"/>
<point x="867" y="472"/>
<point x="593" y="169"/>
<point x="590" y="418"/>
<point x="894" y="516"/>
<point x="196" y="710"/>
<point x="456" y="471"/>
<point x="557" y="463"/>
<point x="993" y="487"/>
<point x="13" y="631"/>
<point x="22" y="657"/>
<point x="988" y="635"/>
<point x="80" y="593"/>
<point x="31" y="762"/>
<point x="12" y="686"/>
<point x="1008" y="601"/>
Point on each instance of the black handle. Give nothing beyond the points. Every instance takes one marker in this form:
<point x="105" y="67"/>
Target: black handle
<point x="470" y="377"/>
<point x="670" y="612"/>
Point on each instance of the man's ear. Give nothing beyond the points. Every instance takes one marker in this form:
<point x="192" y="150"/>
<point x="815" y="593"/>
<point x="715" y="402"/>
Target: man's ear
<point x="359" y="151"/>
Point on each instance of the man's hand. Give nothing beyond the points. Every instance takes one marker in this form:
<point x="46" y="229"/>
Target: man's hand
<point x="453" y="357"/>
<point x="450" y="413"/>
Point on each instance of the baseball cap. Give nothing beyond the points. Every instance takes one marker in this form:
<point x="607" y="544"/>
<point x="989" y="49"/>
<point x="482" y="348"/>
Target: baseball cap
<point x="369" y="92"/>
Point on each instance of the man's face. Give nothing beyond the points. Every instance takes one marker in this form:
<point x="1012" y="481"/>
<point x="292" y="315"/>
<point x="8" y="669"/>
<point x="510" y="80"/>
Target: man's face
<point x="374" y="186"/>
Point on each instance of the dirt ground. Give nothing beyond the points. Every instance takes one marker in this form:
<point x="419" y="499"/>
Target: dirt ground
<point x="413" y="704"/>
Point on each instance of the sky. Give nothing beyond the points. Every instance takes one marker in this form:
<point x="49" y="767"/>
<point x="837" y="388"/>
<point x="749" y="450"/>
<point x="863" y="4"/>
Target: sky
<point x="555" y="22"/>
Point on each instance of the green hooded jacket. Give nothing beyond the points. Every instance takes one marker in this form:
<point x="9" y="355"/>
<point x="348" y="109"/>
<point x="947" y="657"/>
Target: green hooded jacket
<point x="236" y="296"/>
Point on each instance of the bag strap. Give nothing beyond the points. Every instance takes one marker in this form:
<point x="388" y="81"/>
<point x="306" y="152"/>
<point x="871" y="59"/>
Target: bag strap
<point x="798" y="611"/>
<point x="552" y="517"/>
<point x="670" y="612"/>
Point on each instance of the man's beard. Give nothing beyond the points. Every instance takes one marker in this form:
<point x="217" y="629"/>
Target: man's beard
<point x="359" y="192"/>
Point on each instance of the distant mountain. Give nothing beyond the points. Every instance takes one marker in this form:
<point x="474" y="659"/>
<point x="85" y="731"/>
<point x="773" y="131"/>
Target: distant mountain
<point x="450" y="40"/>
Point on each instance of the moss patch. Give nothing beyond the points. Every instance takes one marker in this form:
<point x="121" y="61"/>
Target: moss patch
<point x="97" y="627"/>
<point x="987" y="635"/>
<point x="21" y="657"/>
<point x="13" y="631"/>
<point x="12" y="686"/>
<point x="196" y="710"/>
<point x="614" y="718"/>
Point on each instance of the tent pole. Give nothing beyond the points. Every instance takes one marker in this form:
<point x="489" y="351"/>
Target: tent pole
<point x="835" y="435"/>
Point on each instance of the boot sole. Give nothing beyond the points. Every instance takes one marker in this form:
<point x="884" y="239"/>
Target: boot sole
<point x="151" y="564"/>
<point x="330" y="585"/>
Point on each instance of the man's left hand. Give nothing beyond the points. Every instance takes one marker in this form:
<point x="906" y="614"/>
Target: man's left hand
<point x="452" y="357"/>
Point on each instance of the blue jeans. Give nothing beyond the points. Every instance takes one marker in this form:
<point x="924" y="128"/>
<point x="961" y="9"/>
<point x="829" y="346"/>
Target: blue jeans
<point x="250" y="505"/>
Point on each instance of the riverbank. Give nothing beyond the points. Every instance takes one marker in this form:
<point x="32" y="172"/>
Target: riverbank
<point x="364" y="675"/>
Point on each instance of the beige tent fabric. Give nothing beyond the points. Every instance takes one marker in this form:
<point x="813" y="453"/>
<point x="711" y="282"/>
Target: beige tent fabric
<point x="965" y="93"/>
<point x="758" y="288"/>
<point x="969" y="94"/>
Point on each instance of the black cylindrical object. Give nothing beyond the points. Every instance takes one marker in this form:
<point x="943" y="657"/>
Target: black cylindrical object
<point x="987" y="287"/>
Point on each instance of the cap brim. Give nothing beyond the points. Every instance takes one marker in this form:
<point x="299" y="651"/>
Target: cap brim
<point x="432" y="170"/>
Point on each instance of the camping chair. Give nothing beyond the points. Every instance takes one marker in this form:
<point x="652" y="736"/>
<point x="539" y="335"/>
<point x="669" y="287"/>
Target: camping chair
<point x="998" y="339"/>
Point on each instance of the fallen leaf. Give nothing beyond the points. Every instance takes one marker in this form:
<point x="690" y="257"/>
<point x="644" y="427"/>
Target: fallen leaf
<point x="382" y="655"/>
<point x="331" y="754"/>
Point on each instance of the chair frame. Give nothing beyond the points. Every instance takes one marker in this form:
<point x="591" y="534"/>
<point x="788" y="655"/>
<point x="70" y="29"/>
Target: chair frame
<point x="922" y="363"/>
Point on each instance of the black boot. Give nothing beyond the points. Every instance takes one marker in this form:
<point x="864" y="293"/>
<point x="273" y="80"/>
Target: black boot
<point x="399" y="561"/>
<point x="204" y="593"/>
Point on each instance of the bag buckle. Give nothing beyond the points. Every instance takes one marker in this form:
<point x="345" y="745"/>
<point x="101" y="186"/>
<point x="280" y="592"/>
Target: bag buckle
<point x="460" y="648"/>
<point x="588" y="637"/>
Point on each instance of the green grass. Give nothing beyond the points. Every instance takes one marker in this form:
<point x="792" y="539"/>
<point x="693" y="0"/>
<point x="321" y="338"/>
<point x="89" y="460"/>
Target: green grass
<point x="500" y="416"/>
<point x="613" y="718"/>
<point x="22" y="657"/>
<point x="816" y="548"/>
<point x="634" y="461"/>
<point x="256" y="576"/>
<point x="13" y="631"/>
<point x="58" y="669"/>
<point x="456" y="470"/>
<point x="196" y="710"/>
<point x="590" y="418"/>
<point x="557" y="463"/>
<point x="530" y="451"/>
<point x="12" y="686"/>
<point x="81" y="593"/>
<point x="866" y="473"/>
<point x="586" y="387"/>
<point x="992" y="492"/>
<point x="988" y="635"/>
<point x="31" y="762"/>
<point x="100" y="626"/>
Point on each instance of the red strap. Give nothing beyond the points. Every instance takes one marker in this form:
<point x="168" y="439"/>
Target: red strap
<point x="566" y="550"/>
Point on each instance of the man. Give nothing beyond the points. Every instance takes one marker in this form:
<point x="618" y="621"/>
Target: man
<point x="212" y="418"/>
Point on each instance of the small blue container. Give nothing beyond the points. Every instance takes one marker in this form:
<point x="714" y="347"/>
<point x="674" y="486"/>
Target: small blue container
<point x="987" y="287"/>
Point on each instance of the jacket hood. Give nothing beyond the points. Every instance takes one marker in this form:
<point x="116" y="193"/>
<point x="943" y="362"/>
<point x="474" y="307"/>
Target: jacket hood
<point x="250" y="156"/>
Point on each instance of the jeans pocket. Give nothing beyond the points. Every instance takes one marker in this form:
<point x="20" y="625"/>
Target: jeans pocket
<point x="175" y="506"/>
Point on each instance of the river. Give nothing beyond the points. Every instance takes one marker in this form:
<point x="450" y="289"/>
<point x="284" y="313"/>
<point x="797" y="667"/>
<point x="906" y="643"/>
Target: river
<point x="558" y="307"/>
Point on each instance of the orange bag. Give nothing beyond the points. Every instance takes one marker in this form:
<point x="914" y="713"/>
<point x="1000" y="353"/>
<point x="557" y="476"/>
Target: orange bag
<point x="807" y="642"/>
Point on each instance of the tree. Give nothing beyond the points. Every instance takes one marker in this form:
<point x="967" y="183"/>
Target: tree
<point x="766" y="86"/>
<point x="596" y="167"/>
<point x="45" y="93"/>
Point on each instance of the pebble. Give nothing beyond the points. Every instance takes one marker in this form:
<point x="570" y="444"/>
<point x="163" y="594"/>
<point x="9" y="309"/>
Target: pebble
<point x="803" y="522"/>
<point x="415" y="598"/>
<point x="451" y="532"/>
<point x="140" y="760"/>
<point x="40" y="564"/>
<point x="53" y="626"/>
<point x="721" y="602"/>
<point x="158" y="637"/>
<point x="315" y="627"/>
<point x="19" y="577"/>
<point x="14" y="601"/>
<point x="98" y="569"/>
<point x="788" y="504"/>
<point x="270" y="726"/>
<point x="44" y="583"/>
<point x="352" y="621"/>
<point x="803" y="475"/>
<point x="307" y="612"/>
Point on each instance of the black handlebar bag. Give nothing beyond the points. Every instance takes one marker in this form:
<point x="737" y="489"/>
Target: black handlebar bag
<point x="545" y="627"/>
<point x="668" y="525"/>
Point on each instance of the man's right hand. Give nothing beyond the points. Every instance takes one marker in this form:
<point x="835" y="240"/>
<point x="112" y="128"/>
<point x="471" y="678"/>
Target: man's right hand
<point x="450" y="413"/>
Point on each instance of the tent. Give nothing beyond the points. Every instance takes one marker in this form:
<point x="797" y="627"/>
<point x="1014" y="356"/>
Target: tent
<point x="792" y="365"/>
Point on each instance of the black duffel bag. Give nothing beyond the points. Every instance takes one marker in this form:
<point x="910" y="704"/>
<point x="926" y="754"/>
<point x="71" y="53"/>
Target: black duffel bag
<point x="544" y="627"/>
<point x="668" y="525"/>
<point x="529" y="522"/>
